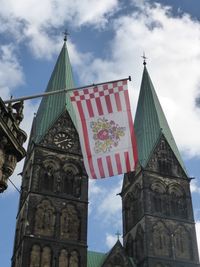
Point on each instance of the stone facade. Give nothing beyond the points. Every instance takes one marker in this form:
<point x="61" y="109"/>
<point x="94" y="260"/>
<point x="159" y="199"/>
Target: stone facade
<point x="158" y="223"/>
<point x="12" y="140"/>
<point x="52" y="218"/>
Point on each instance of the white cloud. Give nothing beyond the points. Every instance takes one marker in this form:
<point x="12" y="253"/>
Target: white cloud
<point x="194" y="187"/>
<point x="11" y="73"/>
<point x="34" y="20"/>
<point x="111" y="240"/>
<point x="173" y="47"/>
<point x="198" y="233"/>
<point x="104" y="201"/>
<point x="111" y="203"/>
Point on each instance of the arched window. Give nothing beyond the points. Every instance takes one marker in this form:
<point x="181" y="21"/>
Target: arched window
<point x="47" y="177"/>
<point x="177" y="200"/>
<point x="139" y="243"/>
<point x="128" y="212"/>
<point x="136" y="204"/>
<point x="161" y="240"/>
<point x="158" y="192"/>
<point x="129" y="246"/>
<point x="70" y="223"/>
<point x="74" y="259"/>
<point x="71" y="180"/>
<point x="46" y="257"/>
<point x="182" y="243"/>
<point x="63" y="258"/>
<point x="35" y="256"/>
<point x="118" y="261"/>
<point x="68" y="182"/>
<point x="44" y="219"/>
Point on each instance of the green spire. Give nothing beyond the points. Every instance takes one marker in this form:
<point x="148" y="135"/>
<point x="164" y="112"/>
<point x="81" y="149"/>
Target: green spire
<point x="150" y="123"/>
<point x="51" y="107"/>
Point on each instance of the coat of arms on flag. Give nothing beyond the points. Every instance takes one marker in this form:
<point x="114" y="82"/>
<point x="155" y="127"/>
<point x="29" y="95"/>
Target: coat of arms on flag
<point x="105" y="128"/>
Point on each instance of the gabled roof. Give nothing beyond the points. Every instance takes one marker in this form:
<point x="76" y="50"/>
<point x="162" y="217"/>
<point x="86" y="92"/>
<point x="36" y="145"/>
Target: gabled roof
<point x="150" y="123"/>
<point x="119" y="249"/>
<point x="52" y="107"/>
<point x="98" y="259"/>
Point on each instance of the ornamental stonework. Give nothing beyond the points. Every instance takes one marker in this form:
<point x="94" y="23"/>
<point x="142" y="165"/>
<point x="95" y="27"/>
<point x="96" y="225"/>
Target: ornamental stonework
<point x="63" y="136"/>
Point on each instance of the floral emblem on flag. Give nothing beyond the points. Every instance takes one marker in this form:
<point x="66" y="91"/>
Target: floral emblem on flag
<point x="106" y="134"/>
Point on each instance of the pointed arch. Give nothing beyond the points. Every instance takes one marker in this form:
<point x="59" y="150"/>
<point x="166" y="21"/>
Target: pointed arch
<point x="46" y="175"/>
<point x="129" y="245"/>
<point x="118" y="260"/>
<point x="74" y="259"/>
<point x="128" y="218"/>
<point x="182" y="243"/>
<point x="72" y="179"/>
<point x="46" y="257"/>
<point x="44" y="218"/>
<point x="63" y="258"/>
<point x="35" y="256"/>
<point x="177" y="200"/>
<point x="70" y="223"/>
<point x="158" y="197"/>
<point x="136" y="206"/>
<point x="139" y="243"/>
<point x="161" y="239"/>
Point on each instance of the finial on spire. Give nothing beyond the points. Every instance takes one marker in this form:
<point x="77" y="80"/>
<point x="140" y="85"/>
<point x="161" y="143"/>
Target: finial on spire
<point x="118" y="235"/>
<point x="144" y="59"/>
<point x="66" y="33"/>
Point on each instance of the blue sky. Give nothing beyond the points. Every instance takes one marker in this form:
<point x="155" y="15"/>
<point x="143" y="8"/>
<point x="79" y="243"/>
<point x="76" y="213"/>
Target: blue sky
<point x="107" y="39"/>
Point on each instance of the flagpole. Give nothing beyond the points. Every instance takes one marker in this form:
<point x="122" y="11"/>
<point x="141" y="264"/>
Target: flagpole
<point x="60" y="91"/>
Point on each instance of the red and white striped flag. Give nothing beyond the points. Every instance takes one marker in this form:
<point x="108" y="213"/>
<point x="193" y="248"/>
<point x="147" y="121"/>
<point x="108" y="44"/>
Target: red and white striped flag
<point x="105" y="129"/>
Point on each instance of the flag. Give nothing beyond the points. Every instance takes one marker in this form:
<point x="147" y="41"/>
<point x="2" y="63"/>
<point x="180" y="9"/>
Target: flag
<point x="105" y="128"/>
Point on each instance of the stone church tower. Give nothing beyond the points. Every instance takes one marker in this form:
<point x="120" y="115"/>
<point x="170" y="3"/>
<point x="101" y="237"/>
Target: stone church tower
<point x="52" y="218"/>
<point x="158" y="222"/>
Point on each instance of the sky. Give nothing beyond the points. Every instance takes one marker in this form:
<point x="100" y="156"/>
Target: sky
<point x="106" y="42"/>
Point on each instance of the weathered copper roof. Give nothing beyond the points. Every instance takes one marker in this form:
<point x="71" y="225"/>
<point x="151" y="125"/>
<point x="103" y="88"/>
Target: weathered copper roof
<point x="95" y="259"/>
<point x="150" y="123"/>
<point x="51" y="107"/>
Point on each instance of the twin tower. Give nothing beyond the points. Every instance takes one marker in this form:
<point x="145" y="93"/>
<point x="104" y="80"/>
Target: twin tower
<point x="51" y="229"/>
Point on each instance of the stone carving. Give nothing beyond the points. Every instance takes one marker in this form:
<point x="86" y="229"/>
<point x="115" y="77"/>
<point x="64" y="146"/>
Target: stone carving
<point x="161" y="240"/>
<point x="77" y="186"/>
<point x="68" y="182"/>
<point x="129" y="246"/>
<point x="46" y="257"/>
<point x="47" y="177"/>
<point x="12" y="139"/>
<point x="74" y="259"/>
<point x="183" y="248"/>
<point x="70" y="223"/>
<point x="71" y="180"/>
<point x="168" y="200"/>
<point x="63" y="124"/>
<point x="133" y="207"/>
<point x="164" y="161"/>
<point x="139" y="243"/>
<point x="178" y="205"/>
<point x="58" y="182"/>
<point x="63" y="258"/>
<point x="35" y="256"/>
<point x="158" y="192"/>
<point x="44" y="219"/>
